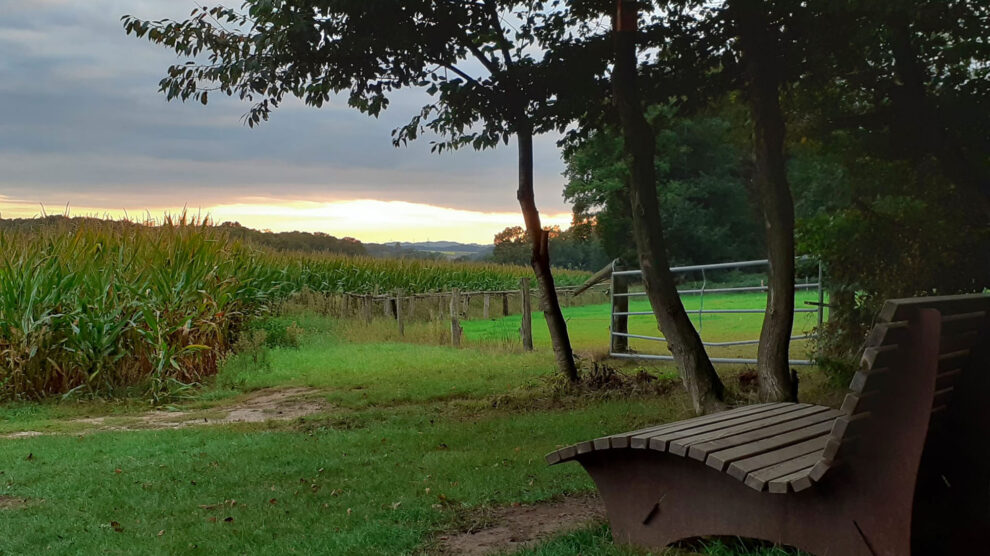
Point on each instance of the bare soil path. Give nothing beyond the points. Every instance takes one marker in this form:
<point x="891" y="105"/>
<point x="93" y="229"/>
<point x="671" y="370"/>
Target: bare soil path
<point x="512" y="528"/>
<point x="284" y="404"/>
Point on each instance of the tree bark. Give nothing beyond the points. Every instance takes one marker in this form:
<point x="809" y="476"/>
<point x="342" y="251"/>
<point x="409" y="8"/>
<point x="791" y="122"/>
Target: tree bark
<point x="697" y="373"/>
<point x="758" y="42"/>
<point x="562" y="351"/>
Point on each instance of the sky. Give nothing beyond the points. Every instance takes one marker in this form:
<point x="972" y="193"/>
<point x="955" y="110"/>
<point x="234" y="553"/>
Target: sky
<point x="83" y="130"/>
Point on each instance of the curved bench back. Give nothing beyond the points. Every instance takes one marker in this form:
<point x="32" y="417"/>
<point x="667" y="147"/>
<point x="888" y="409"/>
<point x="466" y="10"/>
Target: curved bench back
<point x="914" y="358"/>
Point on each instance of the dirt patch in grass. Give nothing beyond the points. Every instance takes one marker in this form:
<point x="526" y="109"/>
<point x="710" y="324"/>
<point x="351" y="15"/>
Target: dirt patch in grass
<point x="22" y="434"/>
<point x="264" y="405"/>
<point x="12" y="503"/>
<point x="508" y="529"/>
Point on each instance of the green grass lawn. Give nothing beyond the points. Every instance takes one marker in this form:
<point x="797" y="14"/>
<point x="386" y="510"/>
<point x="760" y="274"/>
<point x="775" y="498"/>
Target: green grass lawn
<point x="415" y="438"/>
<point x="588" y="325"/>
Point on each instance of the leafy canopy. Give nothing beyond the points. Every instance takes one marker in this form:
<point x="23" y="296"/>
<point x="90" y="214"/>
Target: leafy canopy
<point x="484" y="62"/>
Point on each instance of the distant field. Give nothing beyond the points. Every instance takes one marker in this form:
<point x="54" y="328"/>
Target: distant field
<point x="588" y="325"/>
<point x="113" y="308"/>
<point x="408" y="443"/>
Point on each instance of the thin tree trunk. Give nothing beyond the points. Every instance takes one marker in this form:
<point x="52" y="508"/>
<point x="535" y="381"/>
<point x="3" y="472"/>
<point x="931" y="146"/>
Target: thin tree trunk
<point x="758" y="42"/>
<point x="697" y="372"/>
<point x="541" y="258"/>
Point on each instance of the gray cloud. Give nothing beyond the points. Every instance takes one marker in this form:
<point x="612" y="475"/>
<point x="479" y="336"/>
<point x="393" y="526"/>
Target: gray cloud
<point x="81" y="122"/>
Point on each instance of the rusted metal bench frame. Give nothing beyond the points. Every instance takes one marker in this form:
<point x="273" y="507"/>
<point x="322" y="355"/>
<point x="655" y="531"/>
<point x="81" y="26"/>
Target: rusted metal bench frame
<point x="903" y="467"/>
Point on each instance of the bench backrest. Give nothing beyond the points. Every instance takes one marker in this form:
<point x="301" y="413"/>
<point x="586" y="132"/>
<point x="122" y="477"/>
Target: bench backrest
<point x="913" y="362"/>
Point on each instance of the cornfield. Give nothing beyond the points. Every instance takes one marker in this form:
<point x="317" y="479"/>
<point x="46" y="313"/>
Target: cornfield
<point x="103" y="308"/>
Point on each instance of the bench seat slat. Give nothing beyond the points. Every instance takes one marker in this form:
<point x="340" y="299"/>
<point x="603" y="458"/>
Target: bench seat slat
<point x="729" y="449"/>
<point x="744" y="410"/>
<point x="642" y="441"/>
<point x="739" y="469"/>
<point x="759" y="479"/>
<point x="721" y="458"/>
<point x="797" y="481"/>
<point x="681" y="445"/>
<point x="622" y="440"/>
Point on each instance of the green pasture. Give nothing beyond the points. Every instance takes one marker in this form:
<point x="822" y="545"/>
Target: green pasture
<point x="588" y="326"/>
<point x="415" y="441"/>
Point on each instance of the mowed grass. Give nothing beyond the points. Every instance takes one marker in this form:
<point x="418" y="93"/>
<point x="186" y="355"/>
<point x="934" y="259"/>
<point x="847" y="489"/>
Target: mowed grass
<point x="588" y="326"/>
<point x="415" y="440"/>
<point x="379" y="487"/>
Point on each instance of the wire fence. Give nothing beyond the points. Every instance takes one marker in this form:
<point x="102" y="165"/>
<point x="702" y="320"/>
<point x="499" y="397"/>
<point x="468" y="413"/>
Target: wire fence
<point x="619" y="300"/>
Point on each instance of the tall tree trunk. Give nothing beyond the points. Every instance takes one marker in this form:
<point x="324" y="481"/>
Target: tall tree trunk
<point x="541" y="258"/>
<point x="759" y="44"/>
<point x="697" y="372"/>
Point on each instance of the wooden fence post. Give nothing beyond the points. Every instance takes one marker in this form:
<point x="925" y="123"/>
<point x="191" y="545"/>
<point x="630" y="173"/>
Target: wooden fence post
<point x="440" y="308"/>
<point x="366" y="308"/>
<point x="526" y="330"/>
<point x="487" y="307"/>
<point x="505" y="304"/>
<point x="620" y="304"/>
<point x="455" y="323"/>
<point x="398" y="312"/>
<point x="412" y="307"/>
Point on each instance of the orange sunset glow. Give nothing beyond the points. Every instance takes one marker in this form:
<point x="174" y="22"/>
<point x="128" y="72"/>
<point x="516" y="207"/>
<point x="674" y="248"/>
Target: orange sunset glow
<point x="368" y="220"/>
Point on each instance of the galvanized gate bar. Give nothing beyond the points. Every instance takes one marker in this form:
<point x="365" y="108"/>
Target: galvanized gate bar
<point x="715" y="266"/>
<point x="712" y="311"/>
<point x="820" y="309"/>
<point x="810" y="286"/>
<point x="709" y="344"/>
<point x="730" y="360"/>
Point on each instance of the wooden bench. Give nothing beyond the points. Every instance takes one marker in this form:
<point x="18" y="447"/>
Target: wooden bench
<point x="903" y="466"/>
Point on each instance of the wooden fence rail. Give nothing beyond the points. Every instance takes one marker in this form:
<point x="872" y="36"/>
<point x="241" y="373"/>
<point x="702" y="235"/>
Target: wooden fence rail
<point x="453" y="306"/>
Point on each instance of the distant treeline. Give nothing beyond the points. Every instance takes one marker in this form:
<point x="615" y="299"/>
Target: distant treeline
<point x="303" y="242"/>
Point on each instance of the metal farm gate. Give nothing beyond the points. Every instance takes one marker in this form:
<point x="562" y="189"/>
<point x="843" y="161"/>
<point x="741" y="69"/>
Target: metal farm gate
<point x="620" y="295"/>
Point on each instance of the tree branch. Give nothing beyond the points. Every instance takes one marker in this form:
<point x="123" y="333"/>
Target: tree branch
<point x="497" y="27"/>
<point x="465" y="76"/>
